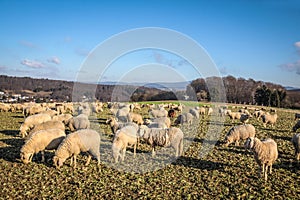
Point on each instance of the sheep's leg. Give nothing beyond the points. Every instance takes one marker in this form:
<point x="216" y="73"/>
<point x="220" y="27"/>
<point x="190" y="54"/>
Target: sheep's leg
<point x="75" y="162"/>
<point x="237" y="143"/>
<point x="266" y="172"/>
<point x="123" y="154"/>
<point x="153" y="151"/>
<point x="270" y="169"/>
<point x="30" y="157"/>
<point x="134" y="150"/>
<point x="43" y="156"/>
<point x="88" y="160"/>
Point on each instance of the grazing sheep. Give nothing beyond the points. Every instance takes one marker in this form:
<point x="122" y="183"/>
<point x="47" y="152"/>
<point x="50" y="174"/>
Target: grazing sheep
<point x="210" y="111"/>
<point x="158" y="113"/>
<point x="64" y="118"/>
<point x="162" y="122"/>
<point x="269" y="119"/>
<point x="234" y="115"/>
<point x="32" y="110"/>
<point x="171" y="137"/>
<point x="39" y="141"/>
<point x="49" y="112"/>
<point x="86" y="140"/>
<point x="194" y="112"/>
<point x="240" y="132"/>
<point x="297" y="116"/>
<point x="124" y="137"/>
<point x="53" y="124"/>
<point x="296" y="143"/>
<point x="265" y="153"/>
<point x="297" y="125"/>
<point x="137" y="118"/>
<point x="184" y="118"/>
<point x="244" y="118"/>
<point x="79" y="122"/>
<point x="115" y="125"/>
<point x="31" y="121"/>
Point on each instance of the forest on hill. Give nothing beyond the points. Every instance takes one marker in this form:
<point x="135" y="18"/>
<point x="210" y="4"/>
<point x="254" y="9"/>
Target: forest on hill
<point x="237" y="90"/>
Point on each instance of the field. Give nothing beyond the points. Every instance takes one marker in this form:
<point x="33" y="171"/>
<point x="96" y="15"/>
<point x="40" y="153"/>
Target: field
<point x="206" y="170"/>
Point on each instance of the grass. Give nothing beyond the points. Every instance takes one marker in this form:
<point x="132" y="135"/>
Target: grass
<point x="223" y="172"/>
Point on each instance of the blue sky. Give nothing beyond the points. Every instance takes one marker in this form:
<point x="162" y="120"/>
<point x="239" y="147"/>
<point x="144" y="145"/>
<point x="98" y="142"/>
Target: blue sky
<point x="250" y="39"/>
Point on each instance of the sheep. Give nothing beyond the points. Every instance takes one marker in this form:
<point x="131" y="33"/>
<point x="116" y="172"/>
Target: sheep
<point x="265" y="153"/>
<point x="52" y="113"/>
<point x="171" y="113"/>
<point x="297" y="125"/>
<point x="296" y="143"/>
<point x="258" y="113"/>
<point x="244" y="118"/>
<point x="158" y="113"/>
<point x="162" y="122"/>
<point x="297" y="116"/>
<point x="234" y="115"/>
<point x="79" y="122"/>
<point x="184" y="118"/>
<point x="122" y="114"/>
<point x="32" y="120"/>
<point x="194" y="112"/>
<point x="137" y="118"/>
<point x="269" y="119"/>
<point x="53" y="124"/>
<point x="115" y="125"/>
<point x="240" y="132"/>
<point x="202" y="111"/>
<point x="39" y="141"/>
<point x="273" y="110"/>
<point x="64" y="118"/>
<point x="85" y="140"/>
<point x="210" y="111"/>
<point x="171" y="137"/>
<point x="124" y="137"/>
<point x="32" y="110"/>
<point x="85" y="109"/>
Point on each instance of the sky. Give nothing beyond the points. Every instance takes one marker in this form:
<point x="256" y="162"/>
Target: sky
<point x="55" y="39"/>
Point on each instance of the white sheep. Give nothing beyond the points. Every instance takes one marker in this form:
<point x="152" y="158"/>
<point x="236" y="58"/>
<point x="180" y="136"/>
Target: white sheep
<point x="64" y="118"/>
<point x="265" y="153"/>
<point x="210" y="111"/>
<point x="79" y="122"/>
<point x="269" y="119"/>
<point x="171" y="137"/>
<point x="165" y="122"/>
<point x="134" y="117"/>
<point x="53" y="124"/>
<point x="158" y="113"/>
<point x="40" y="141"/>
<point x="240" y="132"/>
<point x="122" y="114"/>
<point x="124" y="137"/>
<point x="49" y="112"/>
<point x="234" y="115"/>
<point x="184" y="118"/>
<point x="296" y="143"/>
<point x="31" y="121"/>
<point x="194" y="112"/>
<point x="297" y="126"/>
<point x="85" y="140"/>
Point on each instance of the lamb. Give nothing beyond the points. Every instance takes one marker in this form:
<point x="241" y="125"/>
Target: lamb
<point x="39" y="141"/>
<point x="124" y="137"/>
<point x="265" y="153"/>
<point x="240" y="132"/>
<point x="297" y="116"/>
<point x="86" y="140"/>
<point x="297" y="125"/>
<point x="32" y="120"/>
<point x="269" y="119"/>
<point x="79" y="122"/>
<point x="137" y="118"/>
<point x="296" y="143"/>
<point x="194" y="112"/>
<point x="171" y="137"/>
<point x="184" y="118"/>
<point x="46" y="125"/>
<point x="158" y="113"/>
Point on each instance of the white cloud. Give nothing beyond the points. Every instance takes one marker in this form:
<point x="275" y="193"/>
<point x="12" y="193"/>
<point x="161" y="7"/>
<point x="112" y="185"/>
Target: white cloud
<point x="297" y="44"/>
<point x="54" y="60"/>
<point x="292" y="67"/>
<point x="32" y="63"/>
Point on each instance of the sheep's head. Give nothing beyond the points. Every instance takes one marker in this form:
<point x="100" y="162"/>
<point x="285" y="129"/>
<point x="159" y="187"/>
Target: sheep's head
<point x="23" y="130"/>
<point x="58" y="162"/>
<point x="26" y="157"/>
<point x="249" y="143"/>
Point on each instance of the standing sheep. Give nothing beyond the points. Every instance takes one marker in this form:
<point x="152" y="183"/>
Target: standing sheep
<point x="31" y="121"/>
<point x="265" y="153"/>
<point x="79" y="122"/>
<point x="240" y="132"/>
<point x="158" y="113"/>
<point x="184" y="118"/>
<point x="86" y="140"/>
<point x="124" y="137"/>
<point x="137" y="118"/>
<point x="64" y="118"/>
<point x="194" y="112"/>
<point x="39" y="141"/>
<point x="296" y="143"/>
<point x="234" y="115"/>
<point x="171" y="137"/>
<point x="269" y="119"/>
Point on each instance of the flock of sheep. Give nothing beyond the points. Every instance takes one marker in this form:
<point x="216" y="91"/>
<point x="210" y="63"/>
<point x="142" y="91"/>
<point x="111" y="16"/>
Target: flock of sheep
<point x="45" y="128"/>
